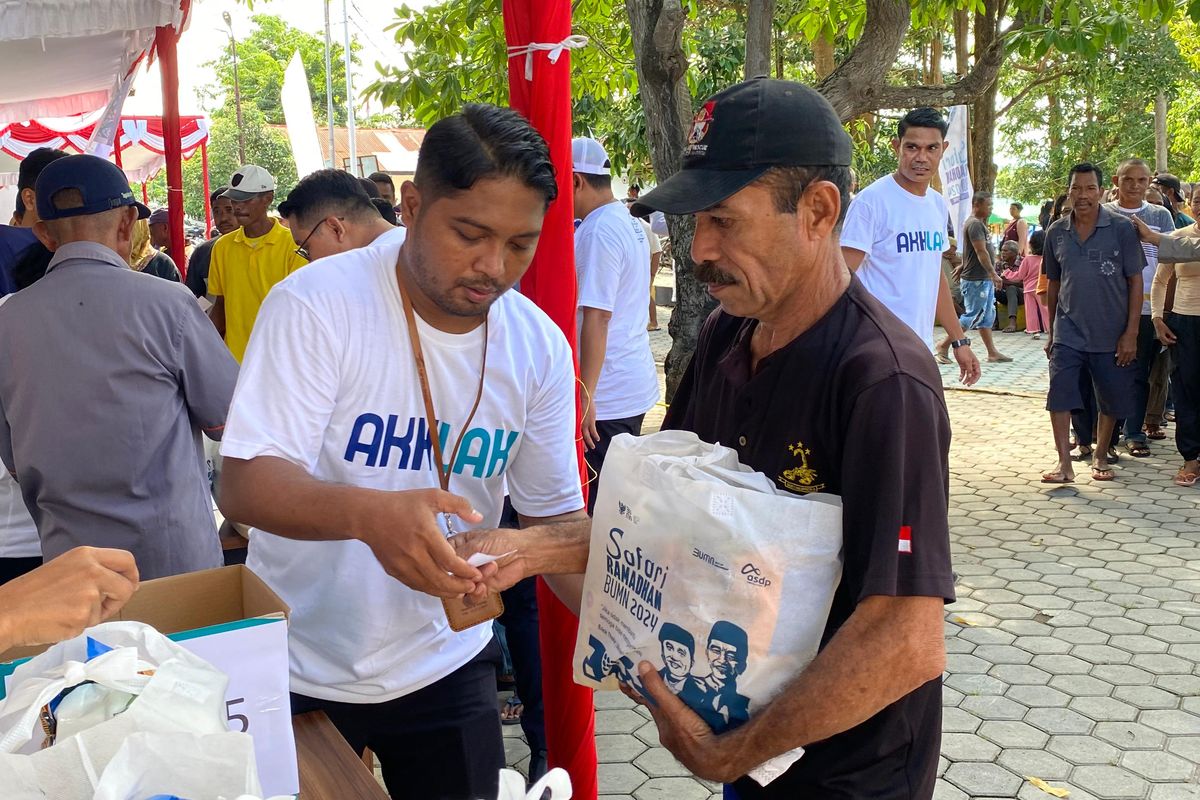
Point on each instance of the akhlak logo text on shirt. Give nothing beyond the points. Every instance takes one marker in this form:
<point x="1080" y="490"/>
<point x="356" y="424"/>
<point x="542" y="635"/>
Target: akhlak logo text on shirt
<point x="483" y="451"/>
<point x="920" y="241"/>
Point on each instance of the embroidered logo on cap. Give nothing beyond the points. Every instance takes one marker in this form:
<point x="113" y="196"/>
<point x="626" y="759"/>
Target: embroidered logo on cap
<point x="700" y="125"/>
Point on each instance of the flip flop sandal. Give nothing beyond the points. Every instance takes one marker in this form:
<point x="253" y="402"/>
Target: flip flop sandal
<point x="1137" y="449"/>
<point x="1113" y="455"/>
<point x="1186" y="479"/>
<point x="1103" y="474"/>
<point x="1169" y="416"/>
<point x="942" y="359"/>
<point x="1085" y="453"/>
<point x="510" y="714"/>
<point x="1155" y="432"/>
<point x="1056" y="477"/>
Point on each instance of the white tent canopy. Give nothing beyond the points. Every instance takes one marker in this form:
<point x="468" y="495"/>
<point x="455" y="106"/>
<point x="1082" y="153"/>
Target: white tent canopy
<point x="64" y="57"/>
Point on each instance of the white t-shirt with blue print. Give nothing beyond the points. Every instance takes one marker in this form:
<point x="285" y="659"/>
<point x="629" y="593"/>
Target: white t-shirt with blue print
<point x="903" y="235"/>
<point x="329" y="383"/>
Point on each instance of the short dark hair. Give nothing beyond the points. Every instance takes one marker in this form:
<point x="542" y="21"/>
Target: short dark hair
<point x="1133" y="162"/>
<point x="596" y="181"/>
<point x="1017" y="206"/>
<point x="325" y="192"/>
<point x="385" y="210"/>
<point x="370" y="187"/>
<point x="33" y="164"/>
<point x="483" y="142"/>
<point x="382" y="177"/>
<point x="787" y="184"/>
<point x="1037" y="240"/>
<point x="1086" y="166"/>
<point x="980" y="197"/>
<point x="674" y="633"/>
<point x="923" y="117"/>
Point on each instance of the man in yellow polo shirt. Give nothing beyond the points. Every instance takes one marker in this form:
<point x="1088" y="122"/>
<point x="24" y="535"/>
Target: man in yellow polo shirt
<point x="245" y="264"/>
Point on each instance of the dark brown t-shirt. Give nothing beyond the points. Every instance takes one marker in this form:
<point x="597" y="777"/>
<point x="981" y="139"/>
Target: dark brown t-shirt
<point x="852" y="407"/>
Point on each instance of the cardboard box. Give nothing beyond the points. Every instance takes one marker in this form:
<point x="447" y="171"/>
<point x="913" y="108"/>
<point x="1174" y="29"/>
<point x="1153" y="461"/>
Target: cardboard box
<point x="232" y="619"/>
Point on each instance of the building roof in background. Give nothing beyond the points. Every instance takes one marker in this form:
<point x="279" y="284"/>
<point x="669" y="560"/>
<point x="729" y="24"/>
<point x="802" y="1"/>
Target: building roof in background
<point x="395" y="149"/>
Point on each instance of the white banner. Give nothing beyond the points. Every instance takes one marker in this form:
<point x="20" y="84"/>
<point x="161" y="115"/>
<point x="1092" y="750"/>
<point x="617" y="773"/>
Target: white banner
<point x="955" y="173"/>
<point x="105" y="132"/>
<point x="297" y="110"/>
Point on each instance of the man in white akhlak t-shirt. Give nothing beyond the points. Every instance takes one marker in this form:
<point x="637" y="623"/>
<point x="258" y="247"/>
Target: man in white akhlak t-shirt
<point x="656" y="249"/>
<point x="328" y="448"/>
<point x="895" y="232"/>
<point x="329" y="212"/>
<point x="615" y="363"/>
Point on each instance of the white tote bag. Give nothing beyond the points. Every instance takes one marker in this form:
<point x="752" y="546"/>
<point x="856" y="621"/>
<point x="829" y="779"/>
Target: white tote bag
<point x="704" y="568"/>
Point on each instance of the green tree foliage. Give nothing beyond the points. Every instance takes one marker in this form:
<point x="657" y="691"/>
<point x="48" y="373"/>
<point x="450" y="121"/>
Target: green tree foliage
<point x="1097" y="108"/>
<point x="263" y="57"/>
<point x="267" y="147"/>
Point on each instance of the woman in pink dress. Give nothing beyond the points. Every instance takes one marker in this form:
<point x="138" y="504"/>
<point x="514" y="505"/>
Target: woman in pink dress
<point x="1037" y="319"/>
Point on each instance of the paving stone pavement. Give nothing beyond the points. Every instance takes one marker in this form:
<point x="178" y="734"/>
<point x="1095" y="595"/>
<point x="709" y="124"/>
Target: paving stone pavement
<point x="1073" y="651"/>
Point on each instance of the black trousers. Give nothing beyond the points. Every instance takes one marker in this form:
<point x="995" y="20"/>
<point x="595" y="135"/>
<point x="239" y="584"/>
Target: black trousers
<point x="1185" y="382"/>
<point x="439" y="743"/>
<point x="520" y="621"/>
<point x="1147" y="351"/>
<point x="607" y="428"/>
<point x="16" y="567"/>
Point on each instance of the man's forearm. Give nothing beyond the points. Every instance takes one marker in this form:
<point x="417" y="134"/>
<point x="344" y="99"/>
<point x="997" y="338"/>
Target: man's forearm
<point x="278" y="496"/>
<point x="593" y="341"/>
<point x="946" y="315"/>
<point x="1136" y="295"/>
<point x="1051" y="305"/>
<point x="872" y="661"/>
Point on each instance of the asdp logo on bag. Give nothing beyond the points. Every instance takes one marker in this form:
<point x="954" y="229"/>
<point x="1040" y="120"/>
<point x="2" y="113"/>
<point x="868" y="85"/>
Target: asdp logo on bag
<point x="754" y="575"/>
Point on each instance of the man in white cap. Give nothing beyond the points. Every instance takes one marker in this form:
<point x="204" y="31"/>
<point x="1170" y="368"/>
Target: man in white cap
<point x="245" y="264"/>
<point x="615" y="362"/>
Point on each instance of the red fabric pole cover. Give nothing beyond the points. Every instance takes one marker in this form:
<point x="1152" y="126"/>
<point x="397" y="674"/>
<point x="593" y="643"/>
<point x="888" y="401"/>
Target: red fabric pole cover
<point x="165" y="39"/>
<point x="208" y="220"/>
<point x="550" y="282"/>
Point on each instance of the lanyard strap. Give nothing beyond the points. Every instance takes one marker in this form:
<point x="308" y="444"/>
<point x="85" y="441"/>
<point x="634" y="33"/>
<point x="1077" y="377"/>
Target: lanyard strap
<point x="431" y="419"/>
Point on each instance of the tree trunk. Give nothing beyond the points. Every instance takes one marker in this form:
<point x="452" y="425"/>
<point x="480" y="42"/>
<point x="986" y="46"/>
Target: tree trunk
<point x="983" y="110"/>
<point x="962" y="52"/>
<point x="1054" y="120"/>
<point x="1160" y="132"/>
<point x="935" y="59"/>
<point x="657" y="32"/>
<point x="759" y="15"/>
<point x="822" y="49"/>
<point x="860" y="83"/>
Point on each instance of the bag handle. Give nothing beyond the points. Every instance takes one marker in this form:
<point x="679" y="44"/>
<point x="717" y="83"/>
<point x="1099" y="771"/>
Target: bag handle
<point x="117" y="669"/>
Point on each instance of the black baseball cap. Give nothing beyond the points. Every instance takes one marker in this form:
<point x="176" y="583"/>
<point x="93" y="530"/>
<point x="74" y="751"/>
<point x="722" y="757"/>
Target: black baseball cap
<point x="33" y="164"/>
<point x="1169" y="181"/>
<point x="102" y="184"/>
<point x="742" y="132"/>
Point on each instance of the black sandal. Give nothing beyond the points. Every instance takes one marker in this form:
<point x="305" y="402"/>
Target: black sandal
<point x="1137" y="449"/>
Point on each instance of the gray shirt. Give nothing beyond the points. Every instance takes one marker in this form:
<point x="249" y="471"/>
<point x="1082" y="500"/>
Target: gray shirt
<point x="107" y="378"/>
<point x="1093" y="293"/>
<point x="975" y="231"/>
<point x="1158" y="219"/>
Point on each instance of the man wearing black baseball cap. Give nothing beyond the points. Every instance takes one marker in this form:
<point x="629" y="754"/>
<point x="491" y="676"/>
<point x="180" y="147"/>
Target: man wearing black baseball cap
<point x="130" y="366"/>
<point x="801" y="359"/>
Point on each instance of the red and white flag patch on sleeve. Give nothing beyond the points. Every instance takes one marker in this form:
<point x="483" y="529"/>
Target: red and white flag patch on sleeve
<point x="905" y="543"/>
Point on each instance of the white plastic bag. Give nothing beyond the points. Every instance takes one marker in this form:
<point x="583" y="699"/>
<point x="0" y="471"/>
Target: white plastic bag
<point x="704" y="568"/>
<point x="219" y="765"/>
<point x="512" y="785"/>
<point x="185" y="694"/>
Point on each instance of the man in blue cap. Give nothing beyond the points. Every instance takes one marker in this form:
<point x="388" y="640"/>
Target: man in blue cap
<point x="107" y="378"/>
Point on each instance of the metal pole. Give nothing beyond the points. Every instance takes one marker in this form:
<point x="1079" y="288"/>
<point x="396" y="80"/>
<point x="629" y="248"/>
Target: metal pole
<point x="349" y="95"/>
<point x="329" y="89"/>
<point x="237" y="91"/>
